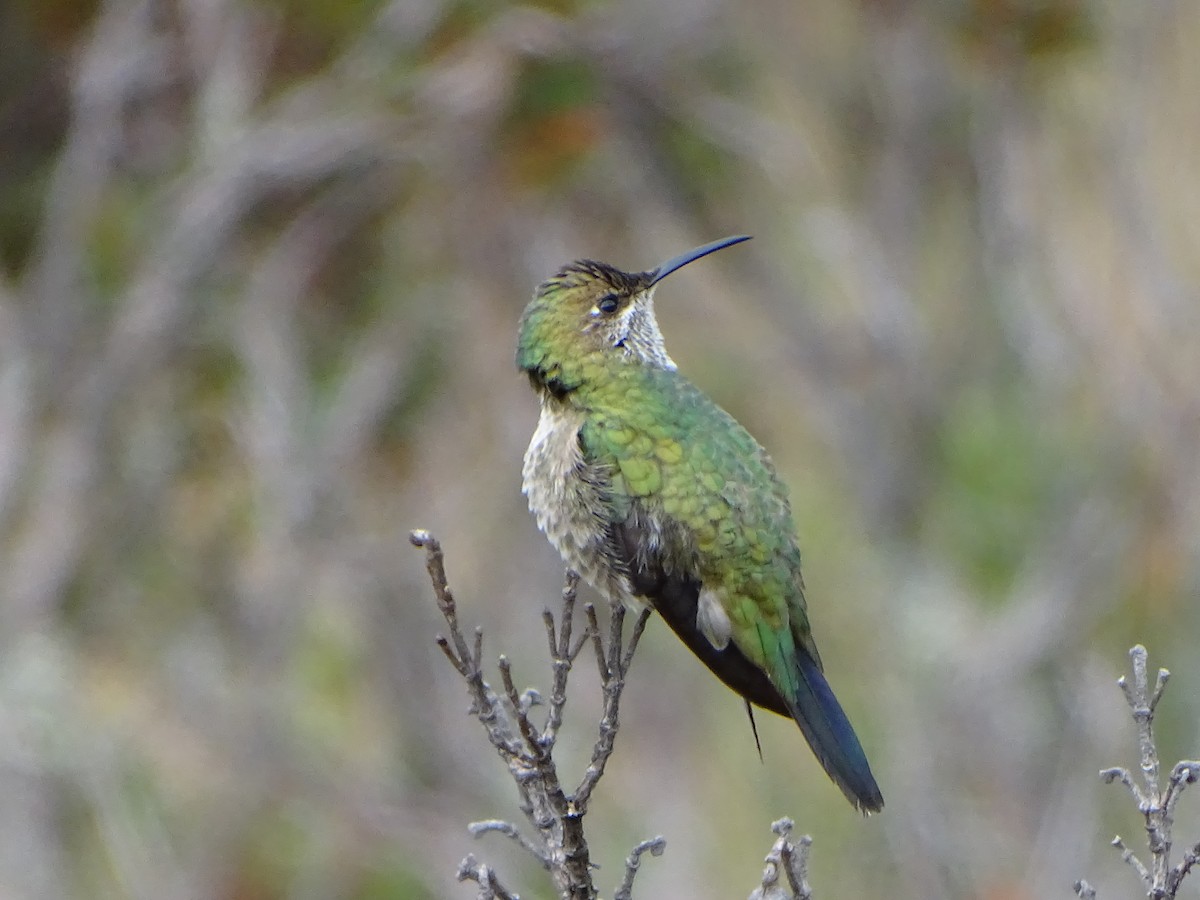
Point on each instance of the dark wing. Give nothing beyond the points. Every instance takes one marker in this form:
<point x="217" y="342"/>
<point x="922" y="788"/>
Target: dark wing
<point x="676" y="598"/>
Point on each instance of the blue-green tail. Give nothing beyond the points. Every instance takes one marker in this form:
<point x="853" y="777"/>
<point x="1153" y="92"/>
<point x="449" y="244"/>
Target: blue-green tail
<point x="832" y="738"/>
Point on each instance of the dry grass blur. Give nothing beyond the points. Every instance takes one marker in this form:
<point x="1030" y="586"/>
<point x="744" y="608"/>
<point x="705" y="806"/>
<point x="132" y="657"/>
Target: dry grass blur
<point x="260" y="269"/>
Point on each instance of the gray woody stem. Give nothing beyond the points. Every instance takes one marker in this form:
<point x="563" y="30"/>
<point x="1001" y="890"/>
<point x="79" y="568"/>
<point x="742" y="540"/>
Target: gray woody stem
<point x="557" y="816"/>
<point x="1157" y="806"/>
<point x="786" y="874"/>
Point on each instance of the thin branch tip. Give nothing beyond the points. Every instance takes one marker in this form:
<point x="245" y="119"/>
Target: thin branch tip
<point x="785" y="874"/>
<point x="557" y="837"/>
<point x="655" y="847"/>
<point x="1156" y="797"/>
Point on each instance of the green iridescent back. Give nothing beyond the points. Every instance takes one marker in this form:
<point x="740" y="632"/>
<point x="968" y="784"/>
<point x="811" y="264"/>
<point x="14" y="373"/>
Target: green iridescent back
<point x="678" y="456"/>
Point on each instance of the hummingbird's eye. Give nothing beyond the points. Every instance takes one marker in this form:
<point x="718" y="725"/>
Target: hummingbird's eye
<point x="607" y="304"/>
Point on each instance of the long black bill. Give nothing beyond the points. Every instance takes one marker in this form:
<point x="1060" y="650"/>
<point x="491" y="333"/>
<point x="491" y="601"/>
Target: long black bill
<point x="678" y="262"/>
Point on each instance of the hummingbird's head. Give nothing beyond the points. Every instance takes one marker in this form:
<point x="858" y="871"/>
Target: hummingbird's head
<point x="590" y="312"/>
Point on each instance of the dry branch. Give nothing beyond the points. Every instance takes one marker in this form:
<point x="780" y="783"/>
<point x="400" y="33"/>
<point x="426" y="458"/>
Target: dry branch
<point x="786" y="874"/>
<point x="555" y="814"/>
<point x="1157" y="805"/>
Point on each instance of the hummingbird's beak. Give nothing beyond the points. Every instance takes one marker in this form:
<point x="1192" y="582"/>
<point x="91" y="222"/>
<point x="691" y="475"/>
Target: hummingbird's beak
<point x="678" y="262"/>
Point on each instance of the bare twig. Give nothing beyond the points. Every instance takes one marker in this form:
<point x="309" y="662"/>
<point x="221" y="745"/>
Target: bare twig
<point x="1130" y="859"/>
<point x="556" y="816"/>
<point x="529" y="732"/>
<point x="613" y="667"/>
<point x="1156" y="805"/>
<point x="490" y="887"/>
<point x="510" y="831"/>
<point x="633" y="862"/>
<point x="562" y="655"/>
<point x="786" y="874"/>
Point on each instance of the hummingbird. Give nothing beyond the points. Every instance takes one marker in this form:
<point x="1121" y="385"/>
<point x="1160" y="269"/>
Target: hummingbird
<point x="654" y="494"/>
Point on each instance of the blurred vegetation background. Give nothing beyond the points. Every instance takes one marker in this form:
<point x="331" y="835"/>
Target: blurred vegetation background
<point x="260" y="271"/>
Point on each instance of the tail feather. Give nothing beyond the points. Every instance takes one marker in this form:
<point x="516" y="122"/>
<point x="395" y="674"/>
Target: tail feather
<point x="832" y="738"/>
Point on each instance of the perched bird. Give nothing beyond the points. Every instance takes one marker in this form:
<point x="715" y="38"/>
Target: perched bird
<point x="653" y="493"/>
